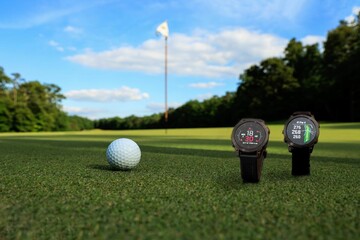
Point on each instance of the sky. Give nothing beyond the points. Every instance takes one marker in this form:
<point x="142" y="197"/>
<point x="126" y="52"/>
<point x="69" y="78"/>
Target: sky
<point x="108" y="61"/>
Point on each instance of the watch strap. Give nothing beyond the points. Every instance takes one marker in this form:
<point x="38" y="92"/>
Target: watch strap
<point x="251" y="166"/>
<point x="300" y="161"/>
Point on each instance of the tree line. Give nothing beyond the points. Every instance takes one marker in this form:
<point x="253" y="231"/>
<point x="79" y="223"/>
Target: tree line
<point x="29" y="106"/>
<point x="324" y="80"/>
<point x="213" y="112"/>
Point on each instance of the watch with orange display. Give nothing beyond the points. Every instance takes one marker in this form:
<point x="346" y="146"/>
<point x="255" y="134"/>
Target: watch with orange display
<point x="250" y="138"/>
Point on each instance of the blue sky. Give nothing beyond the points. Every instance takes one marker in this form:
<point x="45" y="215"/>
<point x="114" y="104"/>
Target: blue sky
<point x="106" y="58"/>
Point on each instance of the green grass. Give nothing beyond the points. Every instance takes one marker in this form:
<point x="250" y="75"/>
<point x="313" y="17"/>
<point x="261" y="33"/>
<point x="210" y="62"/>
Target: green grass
<point x="187" y="186"/>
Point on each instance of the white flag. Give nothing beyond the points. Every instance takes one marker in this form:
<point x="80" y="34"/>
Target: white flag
<point x="163" y="29"/>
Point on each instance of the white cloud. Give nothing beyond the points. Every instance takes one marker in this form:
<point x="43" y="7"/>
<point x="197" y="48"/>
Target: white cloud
<point x="72" y="30"/>
<point x="91" y="113"/>
<point x="351" y="18"/>
<point x="160" y="107"/>
<point x="61" y="48"/>
<point x="356" y="10"/>
<point x="205" y="85"/>
<point x="122" y="94"/>
<point x="56" y="45"/>
<point x="205" y="96"/>
<point x="311" y="39"/>
<point x="72" y="48"/>
<point x="72" y="109"/>
<point x="53" y="43"/>
<point x="218" y="55"/>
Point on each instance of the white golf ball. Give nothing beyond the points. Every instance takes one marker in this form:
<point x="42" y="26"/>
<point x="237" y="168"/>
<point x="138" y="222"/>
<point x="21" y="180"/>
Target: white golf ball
<point x="123" y="154"/>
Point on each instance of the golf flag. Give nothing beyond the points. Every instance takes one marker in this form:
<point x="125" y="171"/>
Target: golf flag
<point x="163" y="29"/>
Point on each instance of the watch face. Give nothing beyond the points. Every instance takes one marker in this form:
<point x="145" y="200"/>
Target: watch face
<point x="301" y="130"/>
<point x="250" y="135"/>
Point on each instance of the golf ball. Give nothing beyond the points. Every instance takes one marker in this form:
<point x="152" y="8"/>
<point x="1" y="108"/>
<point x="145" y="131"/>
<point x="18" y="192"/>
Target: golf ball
<point x="123" y="154"/>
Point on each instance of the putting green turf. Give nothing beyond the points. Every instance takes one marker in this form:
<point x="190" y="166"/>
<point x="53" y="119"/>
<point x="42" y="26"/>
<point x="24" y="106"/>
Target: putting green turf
<point x="187" y="186"/>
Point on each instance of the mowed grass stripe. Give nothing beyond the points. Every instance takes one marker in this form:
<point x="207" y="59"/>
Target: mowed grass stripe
<point x="187" y="185"/>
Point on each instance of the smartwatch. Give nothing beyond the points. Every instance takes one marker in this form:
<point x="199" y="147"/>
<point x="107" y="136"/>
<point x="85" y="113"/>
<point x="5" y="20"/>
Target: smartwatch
<point x="301" y="133"/>
<point x="250" y="138"/>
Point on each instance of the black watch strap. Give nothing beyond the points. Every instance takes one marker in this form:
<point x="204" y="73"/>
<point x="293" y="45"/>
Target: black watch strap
<point x="300" y="161"/>
<point x="251" y="166"/>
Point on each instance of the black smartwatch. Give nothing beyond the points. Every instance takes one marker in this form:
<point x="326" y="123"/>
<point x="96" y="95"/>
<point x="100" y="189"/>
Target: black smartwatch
<point x="301" y="133"/>
<point x="250" y="138"/>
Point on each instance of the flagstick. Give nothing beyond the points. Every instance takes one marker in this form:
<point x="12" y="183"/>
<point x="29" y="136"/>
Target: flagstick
<point x="166" y="103"/>
<point x="163" y="29"/>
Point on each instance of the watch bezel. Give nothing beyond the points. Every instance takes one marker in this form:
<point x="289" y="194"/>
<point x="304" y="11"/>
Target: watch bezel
<point x="309" y="144"/>
<point x="260" y="146"/>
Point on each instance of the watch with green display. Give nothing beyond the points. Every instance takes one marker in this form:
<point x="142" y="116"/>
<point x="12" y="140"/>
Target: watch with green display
<point x="301" y="133"/>
<point x="250" y="138"/>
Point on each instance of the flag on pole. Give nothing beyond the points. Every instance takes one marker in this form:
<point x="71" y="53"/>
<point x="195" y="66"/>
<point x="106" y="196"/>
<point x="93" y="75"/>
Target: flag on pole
<point x="163" y="29"/>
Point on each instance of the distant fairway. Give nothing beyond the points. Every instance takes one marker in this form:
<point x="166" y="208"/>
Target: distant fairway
<point x="187" y="186"/>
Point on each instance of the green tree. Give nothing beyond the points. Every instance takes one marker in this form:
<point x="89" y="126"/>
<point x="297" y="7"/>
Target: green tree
<point x="342" y="64"/>
<point x="306" y="62"/>
<point x="44" y="103"/>
<point x="5" y="116"/>
<point x="210" y="110"/>
<point x="267" y="90"/>
<point x="4" y="80"/>
<point x="188" y="115"/>
<point x="23" y="119"/>
<point x="226" y="110"/>
<point x="62" y="122"/>
<point x="5" y="102"/>
<point x="79" y="123"/>
<point x="16" y="83"/>
<point x="33" y="94"/>
<point x="32" y="106"/>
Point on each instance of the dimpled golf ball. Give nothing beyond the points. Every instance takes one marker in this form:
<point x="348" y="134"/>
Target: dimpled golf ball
<point x="123" y="154"/>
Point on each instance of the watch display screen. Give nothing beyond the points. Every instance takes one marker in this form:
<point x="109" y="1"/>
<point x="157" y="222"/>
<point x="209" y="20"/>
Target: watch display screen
<point x="250" y="135"/>
<point x="301" y="131"/>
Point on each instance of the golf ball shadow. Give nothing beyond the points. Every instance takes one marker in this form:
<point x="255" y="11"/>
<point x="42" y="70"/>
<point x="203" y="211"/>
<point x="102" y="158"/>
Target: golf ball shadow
<point x="100" y="167"/>
<point x="107" y="167"/>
